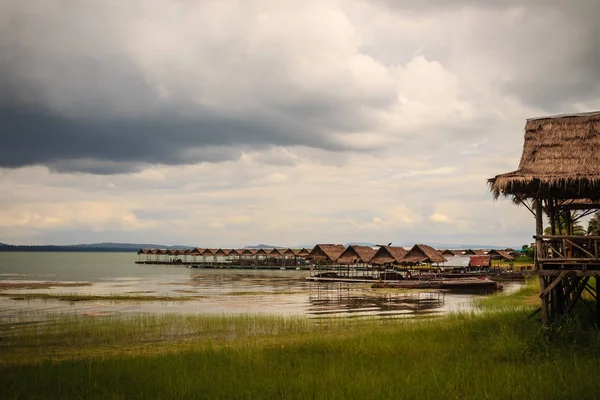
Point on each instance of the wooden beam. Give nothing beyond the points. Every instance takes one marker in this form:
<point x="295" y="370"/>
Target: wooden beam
<point x="556" y="251"/>
<point x="571" y="260"/>
<point x="578" y="291"/>
<point x="527" y="206"/>
<point x="569" y="272"/>
<point x="544" y="307"/>
<point x="582" y="249"/>
<point x="553" y="284"/>
<point x="566" y="237"/>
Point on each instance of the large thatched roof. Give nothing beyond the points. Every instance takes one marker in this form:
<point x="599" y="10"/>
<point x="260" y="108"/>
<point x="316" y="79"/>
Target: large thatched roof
<point x="209" y="252"/>
<point x="561" y="158"/>
<point x="248" y="252"/>
<point x="277" y="252"/>
<point x="303" y="252"/>
<point x="326" y="252"/>
<point x="388" y="255"/>
<point x="291" y="252"/>
<point x="451" y="253"/>
<point x="474" y="252"/>
<point x="422" y="253"/>
<point x="501" y="255"/>
<point x="356" y="254"/>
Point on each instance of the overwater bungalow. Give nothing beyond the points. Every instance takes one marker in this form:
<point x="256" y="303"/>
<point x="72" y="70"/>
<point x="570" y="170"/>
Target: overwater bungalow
<point x="451" y="253"/>
<point x="355" y="254"/>
<point x="501" y="255"/>
<point x="303" y="253"/>
<point x="388" y="256"/>
<point x="421" y="254"/>
<point x="223" y="252"/>
<point x="262" y="253"/>
<point x="326" y="253"/>
<point x="292" y="253"/>
<point x="474" y="252"/>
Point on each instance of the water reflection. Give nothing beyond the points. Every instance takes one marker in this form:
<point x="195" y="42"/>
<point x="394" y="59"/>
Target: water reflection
<point x="346" y="301"/>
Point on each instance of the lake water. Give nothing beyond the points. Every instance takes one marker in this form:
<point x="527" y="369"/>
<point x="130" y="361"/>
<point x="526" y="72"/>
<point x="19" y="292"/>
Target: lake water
<point x="220" y="291"/>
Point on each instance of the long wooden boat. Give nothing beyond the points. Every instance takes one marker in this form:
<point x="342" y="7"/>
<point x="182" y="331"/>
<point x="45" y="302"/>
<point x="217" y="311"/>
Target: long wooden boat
<point x="465" y="284"/>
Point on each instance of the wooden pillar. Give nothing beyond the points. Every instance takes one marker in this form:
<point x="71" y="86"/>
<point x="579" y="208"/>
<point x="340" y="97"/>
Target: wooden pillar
<point x="539" y="231"/>
<point x="551" y="214"/>
<point x="597" y="302"/>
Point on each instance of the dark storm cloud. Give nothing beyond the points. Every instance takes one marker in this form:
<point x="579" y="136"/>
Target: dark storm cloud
<point x="80" y="91"/>
<point x="106" y="147"/>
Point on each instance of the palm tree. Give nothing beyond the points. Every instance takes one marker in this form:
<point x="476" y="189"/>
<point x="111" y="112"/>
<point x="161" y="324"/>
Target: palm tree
<point x="561" y="229"/>
<point x="594" y="224"/>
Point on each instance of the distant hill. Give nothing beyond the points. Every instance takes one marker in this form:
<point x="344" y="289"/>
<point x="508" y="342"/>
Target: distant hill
<point x="264" y="246"/>
<point x="133" y="246"/>
<point x="91" y="247"/>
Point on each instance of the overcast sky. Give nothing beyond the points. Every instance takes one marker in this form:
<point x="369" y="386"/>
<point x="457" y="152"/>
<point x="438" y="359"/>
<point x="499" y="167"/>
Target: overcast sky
<point x="228" y="123"/>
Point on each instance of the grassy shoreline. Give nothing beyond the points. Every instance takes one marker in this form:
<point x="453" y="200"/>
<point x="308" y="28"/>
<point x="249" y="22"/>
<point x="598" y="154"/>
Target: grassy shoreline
<point x="497" y="353"/>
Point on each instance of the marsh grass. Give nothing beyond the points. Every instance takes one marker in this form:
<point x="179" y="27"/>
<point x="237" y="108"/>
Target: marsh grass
<point x="489" y="355"/>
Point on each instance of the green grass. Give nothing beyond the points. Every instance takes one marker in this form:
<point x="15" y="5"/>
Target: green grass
<point x="489" y="355"/>
<point x="525" y="297"/>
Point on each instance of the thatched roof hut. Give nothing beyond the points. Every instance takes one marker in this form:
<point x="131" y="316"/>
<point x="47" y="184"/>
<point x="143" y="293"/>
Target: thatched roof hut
<point x="474" y="252"/>
<point x="248" y="252"/>
<point x="262" y="252"/>
<point x="277" y="252"/>
<point x="388" y="255"/>
<point x="223" y="252"/>
<point x="326" y="252"/>
<point x="501" y="255"/>
<point x="303" y="252"/>
<point x="561" y="159"/>
<point x="356" y="254"/>
<point x="291" y="252"/>
<point x="209" y="252"/>
<point x="423" y="254"/>
<point x="143" y="251"/>
<point x="451" y="253"/>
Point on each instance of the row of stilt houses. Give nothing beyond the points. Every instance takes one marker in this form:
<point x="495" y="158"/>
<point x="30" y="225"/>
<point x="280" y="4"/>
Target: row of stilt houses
<point x="322" y="257"/>
<point x="241" y="257"/>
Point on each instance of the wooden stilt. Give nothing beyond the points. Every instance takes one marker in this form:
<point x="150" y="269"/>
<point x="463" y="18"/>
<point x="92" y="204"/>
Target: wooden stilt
<point x="597" y="305"/>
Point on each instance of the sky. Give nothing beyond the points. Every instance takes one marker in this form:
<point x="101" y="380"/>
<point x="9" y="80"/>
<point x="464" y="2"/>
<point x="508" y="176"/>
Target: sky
<point x="232" y="123"/>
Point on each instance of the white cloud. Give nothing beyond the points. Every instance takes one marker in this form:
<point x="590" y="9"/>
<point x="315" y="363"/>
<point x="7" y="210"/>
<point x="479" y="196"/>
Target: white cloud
<point x="437" y="217"/>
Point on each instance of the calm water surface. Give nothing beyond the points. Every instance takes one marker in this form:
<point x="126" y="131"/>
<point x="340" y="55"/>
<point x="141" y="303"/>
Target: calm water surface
<point x="221" y="291"/>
